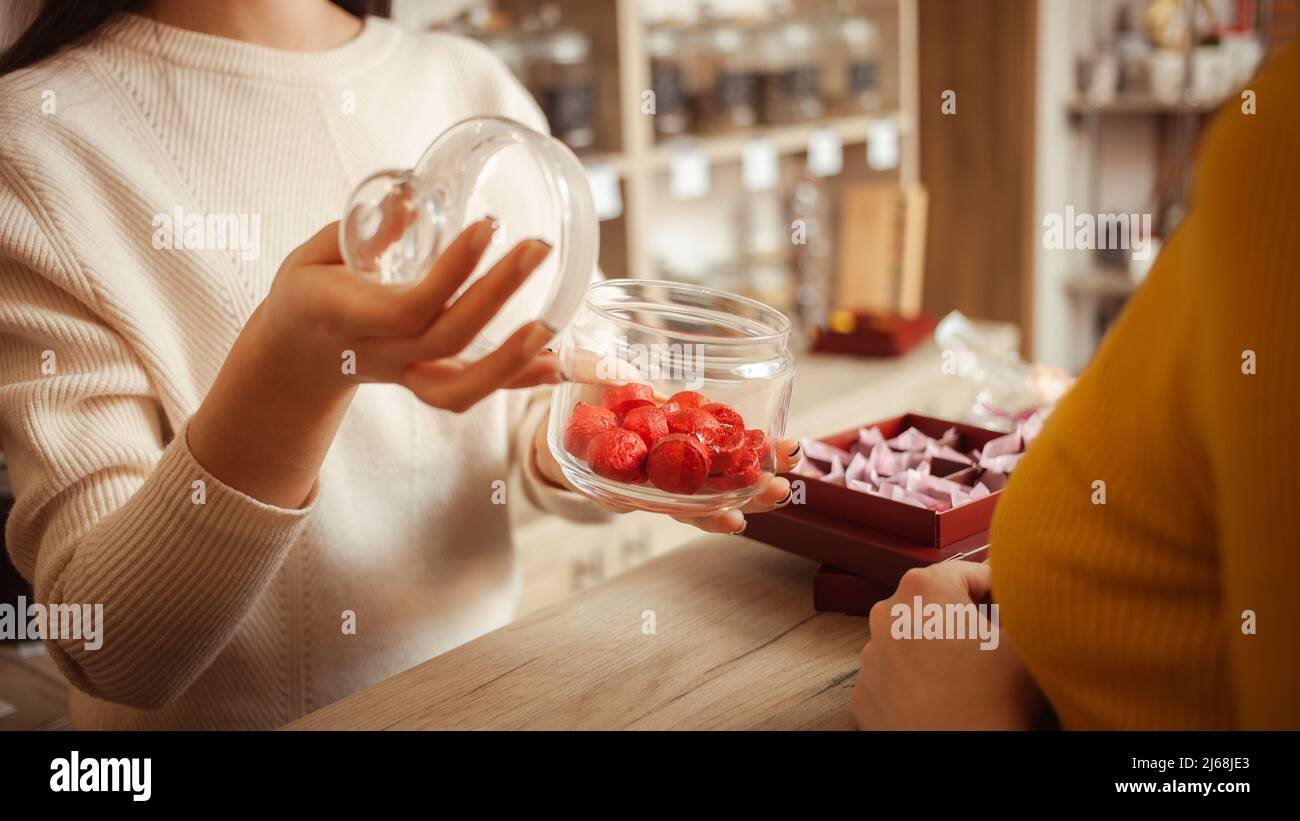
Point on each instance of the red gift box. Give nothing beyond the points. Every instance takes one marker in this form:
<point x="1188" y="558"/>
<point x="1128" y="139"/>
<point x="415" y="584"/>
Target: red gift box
<point x="919" y="526"/>
<point x="873" y="537"/>
<point x="838" y="591"/>
<point x="874" y="335"/>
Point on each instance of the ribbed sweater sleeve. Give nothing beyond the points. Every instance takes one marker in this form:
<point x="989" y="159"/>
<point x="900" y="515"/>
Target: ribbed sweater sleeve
<point x="1144" y="556"/>
<point x="1243" y="254"/>
<point x="111" y="507"/>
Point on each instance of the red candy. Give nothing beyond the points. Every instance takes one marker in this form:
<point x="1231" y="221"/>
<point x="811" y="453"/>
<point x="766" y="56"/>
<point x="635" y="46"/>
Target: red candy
<point x="741" y="470"/>
<point x="623" y="398"/>
<point x="586" y="409"/>
<point x="683" y="445"/>
<point x="618" y="454"/>
<point x="688" y="399"/>
<point x="587" y="422"/>
<point x="649" y="422"/>
<point x="725" y="415"/>
<point x="735" y="447"/>
<point x="633" y="405"/>
<point x="698" y="423"/>
<point x="678" y="464"/>
<point x="727" y="446"/>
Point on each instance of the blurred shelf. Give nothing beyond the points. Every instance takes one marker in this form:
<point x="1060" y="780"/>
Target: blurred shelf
<point x="1101" y="282"/>
<point x="1144" y="104"/>
<point x="642" y="158"/>
<point x="618" y="163"/>
<point x="790" y="139"/>
<point x="727" y="148"/>
<point x="627" y="147"/>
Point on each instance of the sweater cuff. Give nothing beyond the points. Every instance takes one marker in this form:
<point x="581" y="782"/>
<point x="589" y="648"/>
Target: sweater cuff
<point x="249" y="516"/>
<point x="209" y="550"/>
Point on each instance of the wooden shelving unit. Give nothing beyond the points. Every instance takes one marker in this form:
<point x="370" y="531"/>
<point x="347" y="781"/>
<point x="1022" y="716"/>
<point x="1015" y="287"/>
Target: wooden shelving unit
<point x="1139" y="105"/>
<point x="628" y="148"/>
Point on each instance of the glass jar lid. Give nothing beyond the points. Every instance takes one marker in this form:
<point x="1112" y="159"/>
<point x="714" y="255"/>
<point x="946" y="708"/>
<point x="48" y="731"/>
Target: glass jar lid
<point x="531" y="186"/>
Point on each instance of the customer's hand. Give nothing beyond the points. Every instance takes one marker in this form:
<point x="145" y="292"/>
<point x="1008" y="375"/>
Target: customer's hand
<point x="775" y="493"/>
<point x="337" y="328"/>
<point x="942" y="683"/>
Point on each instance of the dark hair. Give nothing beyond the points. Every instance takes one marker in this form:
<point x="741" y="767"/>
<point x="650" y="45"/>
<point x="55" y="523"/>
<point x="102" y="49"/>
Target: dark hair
<point x="62" y="22"/>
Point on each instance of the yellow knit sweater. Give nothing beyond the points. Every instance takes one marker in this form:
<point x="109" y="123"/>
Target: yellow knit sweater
<point x="1176" y="603"/>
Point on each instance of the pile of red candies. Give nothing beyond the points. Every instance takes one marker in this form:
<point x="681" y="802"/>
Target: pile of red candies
<point x="680" y="446"/>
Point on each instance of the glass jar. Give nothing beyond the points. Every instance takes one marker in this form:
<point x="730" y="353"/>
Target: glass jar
<point x="729" y="79"/>
<point x="564" y="84"/>
<point x="677" y="396"/>
<point x="397" y="222"/>
<point x="668" y="79"/>
<point x="791" y="76"/>
<point x="860" y="44"/>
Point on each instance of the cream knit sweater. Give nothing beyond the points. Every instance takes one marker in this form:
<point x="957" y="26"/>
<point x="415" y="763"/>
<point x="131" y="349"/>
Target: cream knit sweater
<point x="230" y="613"/>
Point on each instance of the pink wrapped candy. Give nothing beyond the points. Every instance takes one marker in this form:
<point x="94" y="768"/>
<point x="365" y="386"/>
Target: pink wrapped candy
<point x="903" y="468"/>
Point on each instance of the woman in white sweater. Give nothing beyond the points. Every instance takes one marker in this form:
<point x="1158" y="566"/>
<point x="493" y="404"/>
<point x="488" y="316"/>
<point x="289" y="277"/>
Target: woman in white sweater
<point x="183" y="446"/>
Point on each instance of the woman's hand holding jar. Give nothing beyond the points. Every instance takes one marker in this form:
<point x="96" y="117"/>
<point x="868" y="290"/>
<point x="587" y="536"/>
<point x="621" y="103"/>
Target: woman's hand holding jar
<point x="675" y="402"/>
<point x="283" y="390"/>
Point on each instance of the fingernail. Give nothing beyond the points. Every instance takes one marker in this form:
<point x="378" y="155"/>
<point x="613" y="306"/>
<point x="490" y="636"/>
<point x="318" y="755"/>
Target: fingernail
<point x="797" y="447"/>
<point x="789" y="494"/>
<point x="483" y="234"/>
<point x="538" y="336"/>
<point x="533" y="255"/>
<point x="744" y="523"/>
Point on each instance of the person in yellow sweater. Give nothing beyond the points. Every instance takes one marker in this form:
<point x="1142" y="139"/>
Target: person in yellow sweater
<point x="1146" y="557"/>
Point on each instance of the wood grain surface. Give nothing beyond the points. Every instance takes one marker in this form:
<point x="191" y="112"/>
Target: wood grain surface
<point x="978" y="164"/>
<point x="737" y="645"/>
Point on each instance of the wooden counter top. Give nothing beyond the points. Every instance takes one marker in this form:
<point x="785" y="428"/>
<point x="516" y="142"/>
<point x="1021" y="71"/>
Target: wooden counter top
<point x="737" y="645"/>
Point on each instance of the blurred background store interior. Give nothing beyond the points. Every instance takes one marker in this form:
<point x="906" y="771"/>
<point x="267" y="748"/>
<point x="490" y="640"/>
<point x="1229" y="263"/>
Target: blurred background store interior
<point x="917" y="144"/>
<point x="918" y="141"/>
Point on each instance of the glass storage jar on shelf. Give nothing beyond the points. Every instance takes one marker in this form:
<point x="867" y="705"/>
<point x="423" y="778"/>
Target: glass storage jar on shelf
<point x="791" y="61"/>
<point x="859" y="72"/>
<point x="398" y="221"/>
<point x="563" y="80"/>
<point x="678" y="394"/>
<point x="729" y="98"/>
<point x="669" y="74"/>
